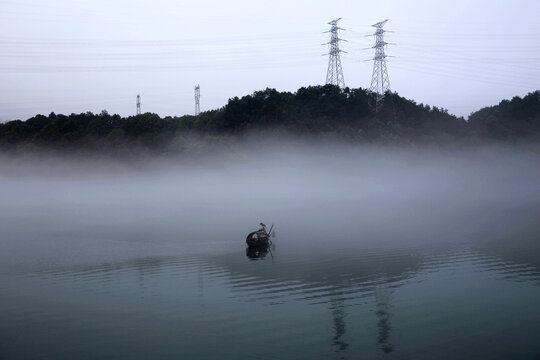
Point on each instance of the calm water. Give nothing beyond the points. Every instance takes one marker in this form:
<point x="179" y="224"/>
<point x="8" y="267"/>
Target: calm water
<point x="389" y="261"/>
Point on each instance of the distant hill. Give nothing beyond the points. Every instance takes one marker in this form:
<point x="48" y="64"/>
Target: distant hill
<point x="329" y="110"/>
<point x="512" y="120"/>
<point x="313" y="112"/>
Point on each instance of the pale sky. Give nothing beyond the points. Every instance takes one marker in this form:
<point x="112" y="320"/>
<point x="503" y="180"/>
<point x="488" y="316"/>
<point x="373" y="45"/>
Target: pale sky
<point x="89" y="55"/>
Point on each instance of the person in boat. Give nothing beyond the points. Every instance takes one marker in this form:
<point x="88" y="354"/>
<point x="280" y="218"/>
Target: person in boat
<point x="262" y="229"/>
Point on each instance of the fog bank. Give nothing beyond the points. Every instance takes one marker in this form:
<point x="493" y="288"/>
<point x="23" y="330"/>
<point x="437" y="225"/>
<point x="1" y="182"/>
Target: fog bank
<point x="318" y="196"/>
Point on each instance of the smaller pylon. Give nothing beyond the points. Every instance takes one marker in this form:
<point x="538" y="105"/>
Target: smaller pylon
<point x="138" y="104"/>
<point x="380" y="82"/>
<point x="197" y="100"/>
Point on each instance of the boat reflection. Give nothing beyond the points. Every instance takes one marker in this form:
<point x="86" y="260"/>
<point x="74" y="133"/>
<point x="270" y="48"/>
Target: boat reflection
<point x="257" y="253"/>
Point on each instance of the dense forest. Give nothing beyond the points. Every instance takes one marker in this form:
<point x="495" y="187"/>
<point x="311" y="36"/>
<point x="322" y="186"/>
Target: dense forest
<point x="314" y="112"/>
<point x="512" y="120"/>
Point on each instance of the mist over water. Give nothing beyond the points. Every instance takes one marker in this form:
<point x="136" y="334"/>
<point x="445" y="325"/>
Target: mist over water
<point x="382" y="252"/>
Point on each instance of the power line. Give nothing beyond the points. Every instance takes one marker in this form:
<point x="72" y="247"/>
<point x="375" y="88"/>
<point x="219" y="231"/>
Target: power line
<point x="456" y="74"/>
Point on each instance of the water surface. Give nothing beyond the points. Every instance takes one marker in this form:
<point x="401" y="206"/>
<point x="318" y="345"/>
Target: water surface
<point x="377" y="255"/>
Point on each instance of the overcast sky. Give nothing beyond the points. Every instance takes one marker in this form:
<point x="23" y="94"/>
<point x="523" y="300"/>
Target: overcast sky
<point x="72" y="56"/>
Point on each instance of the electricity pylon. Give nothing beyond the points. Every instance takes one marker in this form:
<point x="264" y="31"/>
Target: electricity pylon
<point x="380" y="83"/>
<point x="138" y="104"/>
<point x="334" y="74"/>
<point x="197" y="100"/>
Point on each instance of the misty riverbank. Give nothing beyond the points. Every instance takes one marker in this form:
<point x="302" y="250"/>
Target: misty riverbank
<point x="318" y="114"/>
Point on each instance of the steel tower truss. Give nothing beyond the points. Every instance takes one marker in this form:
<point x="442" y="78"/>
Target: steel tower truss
<point x="380" y="83"/>
<point x="334" y="74"/>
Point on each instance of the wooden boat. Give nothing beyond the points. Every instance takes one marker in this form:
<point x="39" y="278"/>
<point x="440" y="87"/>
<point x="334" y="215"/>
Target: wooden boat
<point x="258" y="239"/>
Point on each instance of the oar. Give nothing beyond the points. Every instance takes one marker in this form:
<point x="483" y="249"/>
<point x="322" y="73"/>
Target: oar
<point x="270" y="245"/>
<point x="270" y="232"/>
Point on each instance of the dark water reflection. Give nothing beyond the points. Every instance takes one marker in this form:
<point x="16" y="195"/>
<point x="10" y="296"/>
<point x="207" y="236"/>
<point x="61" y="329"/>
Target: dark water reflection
<point x="228" y="296"/>
<point x="258" y="253"/>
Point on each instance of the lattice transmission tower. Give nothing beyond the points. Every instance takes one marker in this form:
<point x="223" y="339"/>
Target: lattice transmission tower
<point x="138" y="104"/>
<point x="197" y="100"/>
<point x="334" y="74"/>
<point x="380" y="83"/>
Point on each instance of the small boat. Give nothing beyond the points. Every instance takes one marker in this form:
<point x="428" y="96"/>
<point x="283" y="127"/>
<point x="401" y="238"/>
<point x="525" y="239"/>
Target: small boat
<point x="258" y="239"/>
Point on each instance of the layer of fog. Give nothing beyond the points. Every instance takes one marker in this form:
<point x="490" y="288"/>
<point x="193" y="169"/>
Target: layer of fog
<point x="319" y="197"/>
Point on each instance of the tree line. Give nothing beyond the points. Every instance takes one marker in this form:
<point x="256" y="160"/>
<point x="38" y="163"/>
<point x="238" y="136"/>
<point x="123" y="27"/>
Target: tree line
<point x="314" y="112"/>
